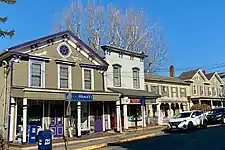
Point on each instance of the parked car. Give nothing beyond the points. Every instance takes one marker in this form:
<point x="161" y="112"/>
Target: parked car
<point x="188" y="120"/>
<point x="216" y="116"/>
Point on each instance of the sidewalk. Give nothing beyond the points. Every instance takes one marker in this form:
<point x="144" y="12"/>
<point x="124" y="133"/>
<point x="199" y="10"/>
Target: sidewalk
<point x="99" y="140"/>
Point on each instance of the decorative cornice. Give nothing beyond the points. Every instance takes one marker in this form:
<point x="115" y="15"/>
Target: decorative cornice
<point x="58" y="61"/>
<point x="97" y="67"/>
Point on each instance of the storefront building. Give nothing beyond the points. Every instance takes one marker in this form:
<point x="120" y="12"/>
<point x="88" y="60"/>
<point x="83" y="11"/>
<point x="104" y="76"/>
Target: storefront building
<point x="57" y="83"/>
<point x="125" y="75"/>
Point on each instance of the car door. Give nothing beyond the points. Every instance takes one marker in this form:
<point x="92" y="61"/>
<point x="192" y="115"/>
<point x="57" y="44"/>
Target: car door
<point x="199" y="117"/>
<point x="193" y="118"/>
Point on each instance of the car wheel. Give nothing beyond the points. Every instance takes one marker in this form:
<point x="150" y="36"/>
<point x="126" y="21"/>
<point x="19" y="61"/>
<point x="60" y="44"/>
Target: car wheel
<point x="204" y="124"/>
<point x="190" y="126"/>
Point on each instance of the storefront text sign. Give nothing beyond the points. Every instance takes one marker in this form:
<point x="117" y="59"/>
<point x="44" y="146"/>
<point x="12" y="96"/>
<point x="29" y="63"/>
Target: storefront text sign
<point x="134" y="101"/>
<point x="79" y="97"/>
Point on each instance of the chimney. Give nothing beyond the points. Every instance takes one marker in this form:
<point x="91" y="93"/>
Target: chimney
<point x="204" y="72"/>
<point x="172" y="71"/>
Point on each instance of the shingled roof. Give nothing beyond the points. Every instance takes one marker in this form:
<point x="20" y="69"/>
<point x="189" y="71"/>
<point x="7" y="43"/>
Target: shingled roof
<point x="209" y="75"/>
<point x="153" y="77"/>
<point x="188" y="75"/>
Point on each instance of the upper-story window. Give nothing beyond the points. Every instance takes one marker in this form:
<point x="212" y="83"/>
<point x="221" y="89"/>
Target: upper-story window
<point x="174" y="92"/>
<point x="214" y="91"/>
<point x="209" y="91"/>
<point x="117" y="75"/>
<point x="155" y="89"/>
<point x="64" y="50"/>
<point x="183" y="92"/>
<point x="194" y="90"/>
<point x="202" y="90"/>
<point x="88" y="83"/>
<point x="136" y="80"/>
<point x="37" y="73"/>
<point x="165" y="91"/>
<point x="64" y="78"/>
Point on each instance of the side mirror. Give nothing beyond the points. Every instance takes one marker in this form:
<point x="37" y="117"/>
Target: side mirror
<point x="193" y="116"/>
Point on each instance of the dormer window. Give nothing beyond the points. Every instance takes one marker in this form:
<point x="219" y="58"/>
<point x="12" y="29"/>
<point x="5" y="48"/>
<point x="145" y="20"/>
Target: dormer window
<point x="136" y="79"/>
<point x="117" y="75"/>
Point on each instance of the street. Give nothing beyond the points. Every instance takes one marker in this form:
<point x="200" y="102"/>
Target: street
<point x="212" y="138"/>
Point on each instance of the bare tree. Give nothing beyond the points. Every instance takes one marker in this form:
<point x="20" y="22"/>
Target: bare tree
<point x="131" y="30"/>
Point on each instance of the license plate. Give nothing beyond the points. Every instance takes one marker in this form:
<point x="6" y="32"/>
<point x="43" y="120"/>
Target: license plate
<point x="174" y="127"/>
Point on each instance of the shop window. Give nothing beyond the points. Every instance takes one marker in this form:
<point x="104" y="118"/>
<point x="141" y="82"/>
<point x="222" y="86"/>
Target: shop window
<point x="64" y="76"/>
<point x="136" y="80"/>
<point x="37" y="73"/>
<point x="117" y="75"/>
<point x="87" y="79"/>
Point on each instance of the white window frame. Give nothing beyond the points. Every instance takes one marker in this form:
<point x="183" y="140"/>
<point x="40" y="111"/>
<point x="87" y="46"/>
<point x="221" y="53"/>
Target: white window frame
<point x="92" y="78"/>
<point x="69" y="76"/>
<point x="42" y="73"/>
<point x="138" y="78"/>
<point x="195" y="89"/>
<point x="58" y="50"/>
<point x="202" y="90"/>
<point x="210" y="90"/>
<point x="174" y="91"/>
<point x="120" y="75"/>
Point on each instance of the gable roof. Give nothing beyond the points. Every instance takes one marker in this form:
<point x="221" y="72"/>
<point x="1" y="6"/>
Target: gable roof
<point x="218" y="76"/>
<point x="157" y="78"/>
<point x="53" y="36"/>
<point x="209" y="75"/>
<point x="188" y="75"/>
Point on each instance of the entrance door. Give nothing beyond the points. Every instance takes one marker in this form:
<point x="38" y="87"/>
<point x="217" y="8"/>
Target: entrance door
<point x="57" y="120"/>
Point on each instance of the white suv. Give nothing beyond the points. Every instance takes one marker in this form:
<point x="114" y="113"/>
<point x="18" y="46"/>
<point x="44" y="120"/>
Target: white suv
<point x="188" y="120"/>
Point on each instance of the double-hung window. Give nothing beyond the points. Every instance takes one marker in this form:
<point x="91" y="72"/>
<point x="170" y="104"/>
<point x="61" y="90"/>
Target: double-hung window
<point x="64" y="80"/>
<point x="117" y="75"/>
<point x="37" y="74"/>
<point x="136" y="80"/>
<point x="87" y="79"/>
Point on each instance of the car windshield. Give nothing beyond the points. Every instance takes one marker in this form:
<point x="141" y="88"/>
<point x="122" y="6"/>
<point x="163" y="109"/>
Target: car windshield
<point x="183" y="115"/>
<point x="216" y="110"/>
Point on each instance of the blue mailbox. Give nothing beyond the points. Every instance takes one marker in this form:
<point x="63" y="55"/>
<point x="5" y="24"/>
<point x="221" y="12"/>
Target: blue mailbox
<point x="45" y="140"/>
<point x="33" y="134"/>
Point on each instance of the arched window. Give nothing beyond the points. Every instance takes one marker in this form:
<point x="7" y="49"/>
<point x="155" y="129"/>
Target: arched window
<point x="117" y="75"/>
<point x="136" y="78"/>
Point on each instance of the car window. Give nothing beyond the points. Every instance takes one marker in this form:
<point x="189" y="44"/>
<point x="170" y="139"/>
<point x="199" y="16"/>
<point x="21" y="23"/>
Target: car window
<point x="198" y="113"/>
<point x="194" y="113"/>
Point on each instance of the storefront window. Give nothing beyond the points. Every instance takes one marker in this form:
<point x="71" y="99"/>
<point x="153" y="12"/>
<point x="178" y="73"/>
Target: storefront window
<point x="134" y="112"/>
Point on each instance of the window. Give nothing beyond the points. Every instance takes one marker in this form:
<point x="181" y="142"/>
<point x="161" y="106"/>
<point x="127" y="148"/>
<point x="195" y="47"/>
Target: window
<point x="202" y="90"/>
<point x="64" y="72"/>
<point x="154" y="89"/>
<point x="87" y="79"/>
<point x="194" y="90"/>
<point x="183" y="92"/>
<point x="136" y="81"/>
<point x="165" y="91"/>
<point x="174" y="92"/>
<point x="214" y="91"/>
<point x="37" y="73"/>
<point x="209" y="91"/>
<point x="64" y="50"/>
<point x="117" y="75"/>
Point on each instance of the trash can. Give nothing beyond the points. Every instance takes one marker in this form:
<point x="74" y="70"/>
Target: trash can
<point x="33" y="134"/>
<point x="45" y="140"/>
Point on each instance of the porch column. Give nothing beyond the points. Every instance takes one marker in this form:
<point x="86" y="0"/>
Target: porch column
<point x="12" y="119"/>
<point x="211" y="103"/>
<point x="159" y="113"/>
<point x="125" y="116"/>
<point x="103" y="117"/>
<point x="118" y="116"/>
<point x="24" y="120"/>
<point x="200" y="102"/>
<point x="109" y="119"/>
<point x="89" y="116"/>
<point x="171" y="110"/>
<point x="143" y="116"/>
<point x="15" y="124"/>
<point x="43" y="115"/>
<point x="222" y="103"/>
<point x="180" y="110"/>
<point x="49" y="118"/>
<point x="78" y="119"/>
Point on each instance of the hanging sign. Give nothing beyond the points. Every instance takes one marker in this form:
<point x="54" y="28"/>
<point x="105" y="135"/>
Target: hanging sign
<point x="79" y="97"/>
<point x="134" y="101"/>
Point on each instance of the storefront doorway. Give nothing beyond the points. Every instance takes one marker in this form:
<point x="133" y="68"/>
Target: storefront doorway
<point x="56" y="115"/>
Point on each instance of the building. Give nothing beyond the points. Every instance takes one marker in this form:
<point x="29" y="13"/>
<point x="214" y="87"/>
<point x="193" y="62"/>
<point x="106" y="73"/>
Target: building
<point x="174" y="95"/>
<point x="205" y="88"/>
<point x="125" y="75"/>
<point x="56" y="82"/>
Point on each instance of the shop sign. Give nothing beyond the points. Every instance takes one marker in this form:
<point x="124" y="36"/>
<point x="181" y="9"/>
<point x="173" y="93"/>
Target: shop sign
<point x="135" y="101"/>
<point x="79" y="97"/>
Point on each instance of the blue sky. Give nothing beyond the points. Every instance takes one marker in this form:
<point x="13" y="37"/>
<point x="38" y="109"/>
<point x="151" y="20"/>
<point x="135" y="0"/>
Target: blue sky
<point x="194" y="29"/>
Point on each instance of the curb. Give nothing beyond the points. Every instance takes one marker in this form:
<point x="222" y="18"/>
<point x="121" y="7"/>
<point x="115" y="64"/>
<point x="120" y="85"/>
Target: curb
<point x="98" y="146"/>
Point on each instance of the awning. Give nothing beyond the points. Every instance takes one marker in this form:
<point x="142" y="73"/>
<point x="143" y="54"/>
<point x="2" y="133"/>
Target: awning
<point x="135" y="93"/>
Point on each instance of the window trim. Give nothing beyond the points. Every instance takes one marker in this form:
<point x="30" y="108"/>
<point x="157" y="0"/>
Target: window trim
<point x="92" y="79"/>
<point x="69" y="76"/>
<point x="120" y="76"/>
<point x="195" y="89"/>
<point x="42" y="73"/>
<point x="138" y="70"/>
<point x="58" y="50"/>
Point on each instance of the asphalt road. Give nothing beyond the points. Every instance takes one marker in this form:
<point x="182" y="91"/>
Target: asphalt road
<point x="211" y="138"/>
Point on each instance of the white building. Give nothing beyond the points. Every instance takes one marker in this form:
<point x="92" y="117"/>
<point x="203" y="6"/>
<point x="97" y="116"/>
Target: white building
<point x="125" y="75"/>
